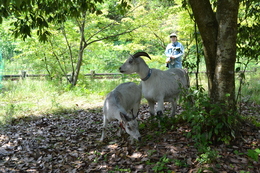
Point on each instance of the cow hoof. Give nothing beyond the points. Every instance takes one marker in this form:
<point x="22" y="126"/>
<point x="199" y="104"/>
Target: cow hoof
<point x="159" y="113"/>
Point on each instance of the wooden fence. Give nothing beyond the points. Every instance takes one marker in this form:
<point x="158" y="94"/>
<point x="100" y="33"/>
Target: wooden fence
<point x="92" y="75"/>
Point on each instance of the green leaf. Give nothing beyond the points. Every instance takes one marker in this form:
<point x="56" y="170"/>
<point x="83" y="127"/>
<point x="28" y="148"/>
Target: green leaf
<point x="257" y="150"/>
<point x="253" y="154"/>
<point x="228" y="95"/>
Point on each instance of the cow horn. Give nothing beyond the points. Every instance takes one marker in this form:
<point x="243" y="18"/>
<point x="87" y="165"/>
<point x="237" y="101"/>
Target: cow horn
<point x="136" y="55"/>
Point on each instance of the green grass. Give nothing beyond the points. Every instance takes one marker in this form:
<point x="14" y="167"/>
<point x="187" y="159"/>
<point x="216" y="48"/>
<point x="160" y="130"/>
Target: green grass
<point x="36" y="97"/>
<point x="251" y="88"/>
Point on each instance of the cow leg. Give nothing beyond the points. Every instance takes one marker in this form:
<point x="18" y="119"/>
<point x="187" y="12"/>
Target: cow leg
<point x="151" y="107"/>
<point x="160" y="108"/>
<point x="104" y="129"/>
<point x="174" y="106"/>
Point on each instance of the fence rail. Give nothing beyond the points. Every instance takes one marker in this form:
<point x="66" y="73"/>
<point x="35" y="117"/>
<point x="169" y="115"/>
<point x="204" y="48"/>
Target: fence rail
<point x="92" y="75"/>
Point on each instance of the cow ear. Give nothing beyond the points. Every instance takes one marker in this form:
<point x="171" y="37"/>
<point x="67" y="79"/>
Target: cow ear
<point x="124" y="117"/>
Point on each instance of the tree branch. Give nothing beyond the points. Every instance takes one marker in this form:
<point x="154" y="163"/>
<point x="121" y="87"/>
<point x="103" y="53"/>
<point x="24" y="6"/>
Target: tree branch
<point x="111" y="36"/>
<point x="69" y="47"/>
<point x="58" y="60"/>
<point x="86" y="42"/>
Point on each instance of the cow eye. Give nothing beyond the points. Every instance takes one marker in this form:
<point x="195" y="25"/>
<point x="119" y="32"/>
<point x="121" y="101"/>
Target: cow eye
<point x="131" y="60"/>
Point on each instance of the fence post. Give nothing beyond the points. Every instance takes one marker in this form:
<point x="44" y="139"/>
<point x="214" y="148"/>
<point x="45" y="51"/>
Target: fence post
<point x="92" y="73"/>
<point x="23" y="74"/>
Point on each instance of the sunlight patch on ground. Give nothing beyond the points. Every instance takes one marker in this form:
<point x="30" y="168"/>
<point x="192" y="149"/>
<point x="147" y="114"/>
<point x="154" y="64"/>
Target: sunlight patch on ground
<point x="136" y="155"/>
<point x="113" y="146"/>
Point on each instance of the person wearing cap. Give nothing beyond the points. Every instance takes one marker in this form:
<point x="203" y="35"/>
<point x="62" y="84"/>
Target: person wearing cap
<point x="174" y="52"/>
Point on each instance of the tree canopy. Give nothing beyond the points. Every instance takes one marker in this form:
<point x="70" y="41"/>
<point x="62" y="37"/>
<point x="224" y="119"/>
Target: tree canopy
<point x="31" y="14"/>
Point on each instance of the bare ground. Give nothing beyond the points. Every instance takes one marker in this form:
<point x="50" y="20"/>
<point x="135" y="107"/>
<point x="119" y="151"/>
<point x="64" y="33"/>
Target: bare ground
<point x="69" y="143"/>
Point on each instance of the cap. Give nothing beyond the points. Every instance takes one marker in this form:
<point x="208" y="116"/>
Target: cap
<point x="173" y="35"/>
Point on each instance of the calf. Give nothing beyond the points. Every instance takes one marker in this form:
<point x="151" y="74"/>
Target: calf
<point x="122" y="104"/>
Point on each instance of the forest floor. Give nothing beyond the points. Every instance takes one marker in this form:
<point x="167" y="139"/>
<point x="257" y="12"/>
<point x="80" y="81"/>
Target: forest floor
<point x="69" y="142"/>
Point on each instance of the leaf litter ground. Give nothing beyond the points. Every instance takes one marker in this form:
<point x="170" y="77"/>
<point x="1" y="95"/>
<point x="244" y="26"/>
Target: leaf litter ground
<point x="70" y="143"/>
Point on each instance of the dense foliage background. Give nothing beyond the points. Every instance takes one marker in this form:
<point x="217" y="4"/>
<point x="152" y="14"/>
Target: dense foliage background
<point x="145" y="26"/>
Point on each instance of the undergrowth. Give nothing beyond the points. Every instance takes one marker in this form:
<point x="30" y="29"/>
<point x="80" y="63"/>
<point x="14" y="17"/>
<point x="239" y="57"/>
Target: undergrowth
<point x="209" y="125"/>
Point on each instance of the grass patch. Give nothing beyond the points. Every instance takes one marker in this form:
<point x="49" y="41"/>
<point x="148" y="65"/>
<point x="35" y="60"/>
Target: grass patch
<point x="251" y="88"/>
<point x="35" y="97"/>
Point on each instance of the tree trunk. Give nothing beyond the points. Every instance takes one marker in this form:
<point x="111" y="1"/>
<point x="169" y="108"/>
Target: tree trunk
<point x="224" y="80"/>
<point x="208" y="27"/>
<point x="218" y="31"/>
<point x="81" y="50"/>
